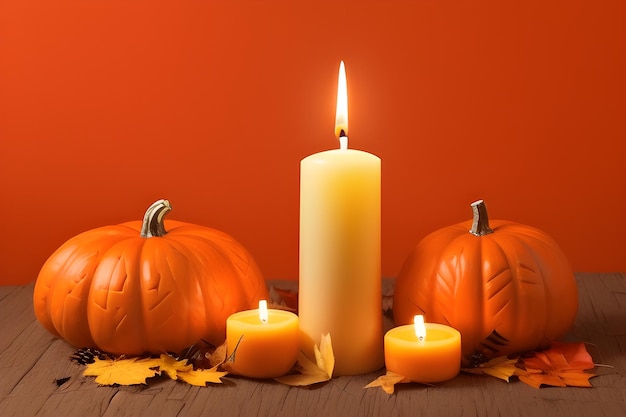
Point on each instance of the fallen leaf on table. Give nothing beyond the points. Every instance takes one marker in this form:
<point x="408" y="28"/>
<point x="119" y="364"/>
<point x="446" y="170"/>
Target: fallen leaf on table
<point x="136" y="370"/>
<point x="324" y="356"/>
<point x="309" y="372"/>
<point x="563" y="364"/>
<point x="122" y="371"/>
<point x="198" y="354"/>
<point x="220" y="359"/>
<point x="200" y="377"/>
<point x="218" y="356"/>
<point x="501" y="367"/>
<point x="172" y="367"/>
<point x="388" y="381"/>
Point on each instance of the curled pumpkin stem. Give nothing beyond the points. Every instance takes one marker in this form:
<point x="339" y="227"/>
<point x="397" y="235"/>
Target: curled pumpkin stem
<point x="153" y="225"/>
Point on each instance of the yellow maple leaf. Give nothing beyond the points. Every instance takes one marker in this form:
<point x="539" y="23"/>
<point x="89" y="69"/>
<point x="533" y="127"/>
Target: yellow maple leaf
<point x="309" y="372"/>
<point x="501" y="367"/>
<point x="122" y="371"/>
<point x="200" y="377"/>
<point x="388" y="381"/>
<point x="172" y="367"/>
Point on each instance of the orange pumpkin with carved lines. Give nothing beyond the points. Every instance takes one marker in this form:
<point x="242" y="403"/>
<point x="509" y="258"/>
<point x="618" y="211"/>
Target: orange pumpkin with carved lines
<point x="507" y="287"/>
<point x="138" y="288"/>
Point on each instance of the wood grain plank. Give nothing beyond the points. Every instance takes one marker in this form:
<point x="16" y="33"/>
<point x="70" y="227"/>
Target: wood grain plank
<point x="16" y="312"/>
<point x="20" y="357"/>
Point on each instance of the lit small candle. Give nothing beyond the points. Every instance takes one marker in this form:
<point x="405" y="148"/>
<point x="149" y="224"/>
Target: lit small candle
<point x="265" y="342"/>
<point x="423" y="352"/>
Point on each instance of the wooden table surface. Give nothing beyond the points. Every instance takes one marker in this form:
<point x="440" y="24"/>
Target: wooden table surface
<point x="31" y="360"/>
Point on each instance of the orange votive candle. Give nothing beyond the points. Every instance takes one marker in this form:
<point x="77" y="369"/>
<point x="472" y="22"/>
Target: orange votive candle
<point x="266" y="342"/>
<point x="427" y="354"/>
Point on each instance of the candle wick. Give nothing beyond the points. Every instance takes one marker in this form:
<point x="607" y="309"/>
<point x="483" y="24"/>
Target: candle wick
<point x="343" y="141"/>
<point x="342" y="133"/>
<point x="420" y="338"/>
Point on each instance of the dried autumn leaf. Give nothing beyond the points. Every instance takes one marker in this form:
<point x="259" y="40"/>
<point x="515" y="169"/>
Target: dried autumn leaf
<point x="218" y="356"/>
<point x="172" y="367"/>
<point x="308" y="372"/>
<point x="197" y="354"/>
<point x="501" y="367"/>
<point x="576" y="354"/>
<point x="203" y="355"/>
<point x="200" y="377"/>
<point x="324" y="356"/>
<point x="122" y="371"/>
<point x="388" y="381"/>
<point x="560" y="366"/>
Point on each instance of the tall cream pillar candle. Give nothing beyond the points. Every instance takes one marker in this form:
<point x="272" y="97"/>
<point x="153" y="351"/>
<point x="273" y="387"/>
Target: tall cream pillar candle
<point x="340" y="274"/>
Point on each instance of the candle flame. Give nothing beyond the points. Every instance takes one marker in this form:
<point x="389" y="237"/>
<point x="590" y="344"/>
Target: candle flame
<point x="263" y="315"/>
<point x="420" y="327"/>
<point x="341" y="116"/>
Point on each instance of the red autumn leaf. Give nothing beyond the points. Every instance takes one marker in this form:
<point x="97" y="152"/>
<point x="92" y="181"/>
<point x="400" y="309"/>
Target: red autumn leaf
<point x="562" y="365"/>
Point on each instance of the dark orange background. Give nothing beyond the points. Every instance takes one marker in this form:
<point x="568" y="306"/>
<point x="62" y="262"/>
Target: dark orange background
<point x="106" y="106"/>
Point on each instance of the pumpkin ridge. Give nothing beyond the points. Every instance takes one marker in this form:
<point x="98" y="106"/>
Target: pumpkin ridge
<point x="215" y="311"/>
<point x="518" y="312"/>
<point x="69" y="320"/>
<point x="115" y="281"/>
<point x="240" y="260"/>
<point x="529" y="283"/>
<point x="216" y="248"/>
<point x="547" y="282"/>
<point x="445" y="282"/>
<point x="497" y="301"/>
<point x="50" y="296"/>
<point x="157" y="284"/>
<point x="495" y="292"/>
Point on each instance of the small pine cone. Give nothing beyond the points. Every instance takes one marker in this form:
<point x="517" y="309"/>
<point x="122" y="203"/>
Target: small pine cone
<point x="83" y="356"/>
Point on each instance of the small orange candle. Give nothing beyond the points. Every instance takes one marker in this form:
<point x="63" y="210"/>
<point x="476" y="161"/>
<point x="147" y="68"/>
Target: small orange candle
<point x="423" y="352"/>
<point x="266" y="342"/>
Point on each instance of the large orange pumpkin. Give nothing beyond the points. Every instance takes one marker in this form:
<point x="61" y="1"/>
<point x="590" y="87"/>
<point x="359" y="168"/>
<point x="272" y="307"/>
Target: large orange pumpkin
<point x="136" y="288"/>
<point x="507" y="287"/>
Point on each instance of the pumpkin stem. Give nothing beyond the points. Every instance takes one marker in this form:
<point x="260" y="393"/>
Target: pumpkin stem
<point x="480" y="224"/>
<point x="153" y="225"/>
